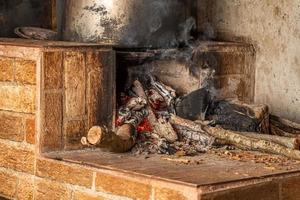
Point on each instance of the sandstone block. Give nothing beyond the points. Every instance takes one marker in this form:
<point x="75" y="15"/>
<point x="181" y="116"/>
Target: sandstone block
<point x="74" y="130"/>
<point x="166" y="194"/>
<point x="63" y="172"/>
<point x="47" y="190"/>
<point x="53" y="70"/>
<point x="74" y="72"/>
<point x="51" y="135"/>
<point x="8" y="185"/>
<point x="265" y="191"/>
<point x="86" y="196"/>
<point x="290" y="188"/>
<point x="30" y="131"/>
<point x="11" y="127"/>
<point x="25" y="188"/>
<point x="94" y="93"/>
<point x="17" y="98"/>
<point x="123" y="187"/>
<point x="25" y="71"/>
<point x="19" y="159"/>
<point x="6" y="69"/>
<point x="93" y="62"/>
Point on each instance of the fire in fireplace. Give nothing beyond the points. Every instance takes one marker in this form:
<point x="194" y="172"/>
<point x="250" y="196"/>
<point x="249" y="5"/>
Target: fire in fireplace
<point x="169" y="102"/>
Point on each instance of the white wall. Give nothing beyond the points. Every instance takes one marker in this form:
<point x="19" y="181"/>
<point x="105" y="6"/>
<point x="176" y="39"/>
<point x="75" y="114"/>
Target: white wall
<point x="273" y="26"/>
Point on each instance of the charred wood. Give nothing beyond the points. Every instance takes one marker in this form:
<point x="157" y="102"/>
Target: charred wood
<point x="194" y="105"/>
<point x="275" y="130"/>
<point x="233" y="117"/>
<point x="285" y="125"/>
<point x="160" y="126"/>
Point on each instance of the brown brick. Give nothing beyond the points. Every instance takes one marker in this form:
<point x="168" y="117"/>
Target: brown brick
<point x="51" y="137"/>
<point x="25" y="71"/>
<point x="25" y="188"/>
<point x="74" y="72"/>
<point x="8" y="185"/>
<point x="74" y="131"/>
<point x="11" y="127"/>
<point x="47" y="190"/>
<point x="30" y="131"/>
<point x="93" y="61"/>
<point x="166" y="194"/>
<point x="18" y="159"/>
<point x="6" y="69"/>
<point x="265" y="191"/>
<point x="100" y="88"/>
<point x="52" y="63"/>
<point x="94" y="91"/>
<point x="17" y="98"/>
<point x="86" y="196"/>
<point x="290" y="189"/>
<point x="120" y="186"/>
<point x="64" y="172"/>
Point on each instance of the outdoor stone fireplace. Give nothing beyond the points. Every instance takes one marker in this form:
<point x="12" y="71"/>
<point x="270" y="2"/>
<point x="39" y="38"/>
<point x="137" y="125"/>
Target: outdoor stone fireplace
<point x="53" y="92"/>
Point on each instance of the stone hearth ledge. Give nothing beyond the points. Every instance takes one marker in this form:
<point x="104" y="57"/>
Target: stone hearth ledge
<point x="154" y="178"/>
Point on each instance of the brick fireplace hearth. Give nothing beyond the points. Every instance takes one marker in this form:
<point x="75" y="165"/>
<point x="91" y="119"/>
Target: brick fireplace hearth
<point x="50" y="94"/>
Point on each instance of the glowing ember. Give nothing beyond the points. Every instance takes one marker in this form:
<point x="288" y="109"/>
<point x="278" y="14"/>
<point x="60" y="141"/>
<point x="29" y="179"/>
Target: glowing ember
<point x="145" y="126"/>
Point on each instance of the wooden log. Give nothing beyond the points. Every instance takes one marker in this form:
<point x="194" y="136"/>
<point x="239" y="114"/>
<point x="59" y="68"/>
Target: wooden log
<point x="121" y="141"/>
<point x="239" y="140"/>
<point x="285" y="125"/>
<point x="292" y="143"/>
<point x="160" y="127"/>
<point x="275" y="130"/>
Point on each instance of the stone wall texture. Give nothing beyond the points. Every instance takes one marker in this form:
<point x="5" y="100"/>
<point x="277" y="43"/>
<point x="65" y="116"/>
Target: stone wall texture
<point x="273" y="27"/>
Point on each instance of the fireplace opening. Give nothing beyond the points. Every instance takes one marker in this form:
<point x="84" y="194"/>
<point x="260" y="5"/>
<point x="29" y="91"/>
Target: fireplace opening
<point x="226" y="70"/>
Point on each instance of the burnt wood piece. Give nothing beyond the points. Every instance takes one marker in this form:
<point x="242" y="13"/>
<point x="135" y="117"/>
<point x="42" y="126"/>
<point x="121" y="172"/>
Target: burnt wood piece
<point x="233" y="117"/>
<point x="284" y="125"/>
<point x="194" y="105"/>
<point x="238" y="139"/>
<point x="160" y="127"/>
<point x="274" y="130"/>
<point x="121" y="141"/>
<point x="257" y="111"/>
<point x="133" y="112"/>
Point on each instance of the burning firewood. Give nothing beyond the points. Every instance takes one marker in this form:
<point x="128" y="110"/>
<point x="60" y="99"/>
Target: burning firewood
<point x="238" y="139"/>
<point x="160" y="126"/>
<point x="125" y="136"/>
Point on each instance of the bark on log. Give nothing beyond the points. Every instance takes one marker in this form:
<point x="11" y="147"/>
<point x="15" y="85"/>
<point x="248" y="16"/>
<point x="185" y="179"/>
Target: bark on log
<point x="160" y="127"/>
<point x="121" y="141"/>
<point x="239" y="140"/>
<point x="292" y="143"/>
